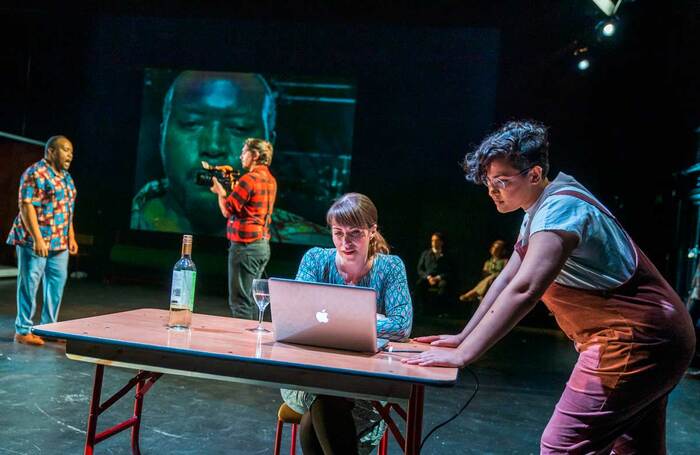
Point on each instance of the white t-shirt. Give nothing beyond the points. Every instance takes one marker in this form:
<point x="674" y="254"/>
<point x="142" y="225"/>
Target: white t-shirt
<point x="604" y="257"/>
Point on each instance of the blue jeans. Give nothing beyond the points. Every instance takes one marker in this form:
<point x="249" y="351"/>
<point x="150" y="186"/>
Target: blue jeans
<point x="32" y="268"/>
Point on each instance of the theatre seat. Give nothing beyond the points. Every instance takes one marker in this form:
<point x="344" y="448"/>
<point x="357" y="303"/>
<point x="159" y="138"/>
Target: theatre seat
<point x="285" y="414"/>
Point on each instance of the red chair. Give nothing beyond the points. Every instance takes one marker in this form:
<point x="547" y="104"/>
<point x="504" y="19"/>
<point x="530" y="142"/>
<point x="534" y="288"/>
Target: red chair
<point x="285" y="414"/>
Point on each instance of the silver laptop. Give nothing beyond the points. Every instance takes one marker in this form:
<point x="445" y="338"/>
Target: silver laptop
<point x="326" y="315"/>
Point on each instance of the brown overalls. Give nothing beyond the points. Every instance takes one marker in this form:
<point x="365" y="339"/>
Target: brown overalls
<point x="634" y="342"/>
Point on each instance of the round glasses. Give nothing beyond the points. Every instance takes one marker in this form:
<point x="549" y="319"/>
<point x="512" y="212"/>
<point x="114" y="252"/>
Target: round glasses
<point x="500" y="183"/>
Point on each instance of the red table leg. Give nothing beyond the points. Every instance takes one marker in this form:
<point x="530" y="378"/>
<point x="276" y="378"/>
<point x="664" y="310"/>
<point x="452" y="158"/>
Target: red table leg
<point x="143" y="381"/>
<point x="94" y="410"/>
<point x="414" y="420"/>
<point x="138" y="407"/>
<point x="392" y="427"/>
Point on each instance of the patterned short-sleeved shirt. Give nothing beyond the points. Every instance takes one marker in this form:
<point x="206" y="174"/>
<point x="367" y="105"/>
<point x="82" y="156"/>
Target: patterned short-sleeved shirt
<point x="53" y="198"/>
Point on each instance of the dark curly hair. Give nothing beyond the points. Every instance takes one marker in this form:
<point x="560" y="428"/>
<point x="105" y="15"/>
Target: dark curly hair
<point x="523" y="143"/>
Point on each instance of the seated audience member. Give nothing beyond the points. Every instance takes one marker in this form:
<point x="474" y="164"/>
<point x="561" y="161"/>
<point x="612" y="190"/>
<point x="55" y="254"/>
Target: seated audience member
<point x="433" y="275"/>
<point x="492" y="267"/>
<point x="360" y="258"/>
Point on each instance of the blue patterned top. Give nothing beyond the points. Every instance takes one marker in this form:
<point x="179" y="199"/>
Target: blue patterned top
<point x="387" y="276"/>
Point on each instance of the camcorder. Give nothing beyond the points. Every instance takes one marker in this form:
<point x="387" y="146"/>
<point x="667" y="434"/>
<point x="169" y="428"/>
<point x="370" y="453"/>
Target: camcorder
<point x="225" y="174"/>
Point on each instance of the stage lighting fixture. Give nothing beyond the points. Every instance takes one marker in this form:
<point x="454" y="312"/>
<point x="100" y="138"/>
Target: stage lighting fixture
<point x="582" y="57"/>
<point x="607" y="27"/>
<point x="609" y="7"/>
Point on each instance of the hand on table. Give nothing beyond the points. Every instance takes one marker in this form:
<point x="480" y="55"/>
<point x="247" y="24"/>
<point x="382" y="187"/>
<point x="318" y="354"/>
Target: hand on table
<point x="437" y="358"/>
<point x="445" y="341"/>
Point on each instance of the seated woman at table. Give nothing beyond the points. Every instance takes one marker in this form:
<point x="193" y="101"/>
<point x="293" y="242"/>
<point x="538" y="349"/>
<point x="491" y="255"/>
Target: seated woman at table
<point x="332" y="425"/>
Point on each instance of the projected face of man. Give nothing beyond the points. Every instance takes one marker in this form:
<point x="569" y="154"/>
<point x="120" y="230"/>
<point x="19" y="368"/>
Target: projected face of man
<point x="211" y="116"/>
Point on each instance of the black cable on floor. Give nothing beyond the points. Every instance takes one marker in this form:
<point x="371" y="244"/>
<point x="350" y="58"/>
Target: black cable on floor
<point x="438" y="426"/>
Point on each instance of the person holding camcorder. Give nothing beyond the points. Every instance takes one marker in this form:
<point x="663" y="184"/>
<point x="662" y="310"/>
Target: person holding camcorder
<point x="225" y="174"/>
<point x="247" y="203"/>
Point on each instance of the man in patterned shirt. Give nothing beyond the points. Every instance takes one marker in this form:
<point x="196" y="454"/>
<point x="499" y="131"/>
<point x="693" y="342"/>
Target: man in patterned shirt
<point x="249" y="212"/>
<point x="43" y="236"/>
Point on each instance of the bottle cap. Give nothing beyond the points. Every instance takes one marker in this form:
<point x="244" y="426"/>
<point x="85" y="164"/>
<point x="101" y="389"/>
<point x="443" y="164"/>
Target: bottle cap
<point x="186" y="244"/>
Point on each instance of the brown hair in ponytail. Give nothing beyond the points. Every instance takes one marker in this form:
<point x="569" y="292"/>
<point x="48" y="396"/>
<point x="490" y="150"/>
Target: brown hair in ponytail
<point x="358" y="211"/>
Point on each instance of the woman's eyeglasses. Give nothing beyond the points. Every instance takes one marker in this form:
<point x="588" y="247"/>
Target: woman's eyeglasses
<point x="502" y="182"/>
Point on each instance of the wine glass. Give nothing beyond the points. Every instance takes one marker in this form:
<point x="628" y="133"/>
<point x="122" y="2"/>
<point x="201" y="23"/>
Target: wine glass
<point x="261" y="295"/>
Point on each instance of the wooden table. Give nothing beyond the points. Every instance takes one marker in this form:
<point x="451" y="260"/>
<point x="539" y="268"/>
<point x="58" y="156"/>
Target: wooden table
<point x="221" y="348"/>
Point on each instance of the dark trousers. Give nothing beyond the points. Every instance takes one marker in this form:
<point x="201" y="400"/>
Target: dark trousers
<point x="246" y="262"/>
<point x="328" y="427"/>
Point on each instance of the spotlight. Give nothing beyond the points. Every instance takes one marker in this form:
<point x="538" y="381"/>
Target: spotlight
<point x="609" y="29"/>
<point x="582" y="57"/>
<point x="606" y="28"/>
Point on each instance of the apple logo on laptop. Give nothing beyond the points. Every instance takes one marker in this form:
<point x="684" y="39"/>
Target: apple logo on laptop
<point x="322" y="316"/>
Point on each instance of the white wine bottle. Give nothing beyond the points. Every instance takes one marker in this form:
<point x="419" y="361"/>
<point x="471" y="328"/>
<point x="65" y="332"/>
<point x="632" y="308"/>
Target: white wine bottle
<point x="182" y="291"/>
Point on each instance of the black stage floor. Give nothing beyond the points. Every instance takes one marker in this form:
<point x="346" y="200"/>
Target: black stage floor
<point x="45" y="396"/>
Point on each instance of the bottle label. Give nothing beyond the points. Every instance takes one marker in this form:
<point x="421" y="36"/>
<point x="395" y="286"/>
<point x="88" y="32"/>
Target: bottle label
<point x="182" y="292"/>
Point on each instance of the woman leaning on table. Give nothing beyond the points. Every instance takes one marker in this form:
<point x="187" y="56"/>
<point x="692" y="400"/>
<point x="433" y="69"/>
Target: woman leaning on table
<point x="335" y="425"/>
<point x="632" y="332"/>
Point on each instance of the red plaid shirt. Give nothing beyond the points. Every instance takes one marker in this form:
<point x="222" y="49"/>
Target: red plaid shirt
<point x="250" y="204"/>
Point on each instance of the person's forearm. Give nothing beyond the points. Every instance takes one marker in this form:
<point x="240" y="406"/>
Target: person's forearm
<point x="495" y="289"/>
<point x="222" y="206"/>
<point x="28" y="214"/>
<point x="394" y="327"/>
<point x="510" y="306"/>
<point x="71" y="233"/>
<point x="546" y="255"/>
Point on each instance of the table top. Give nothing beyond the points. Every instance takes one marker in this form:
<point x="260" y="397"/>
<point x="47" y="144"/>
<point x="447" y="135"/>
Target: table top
<point x="224" y="338"/>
